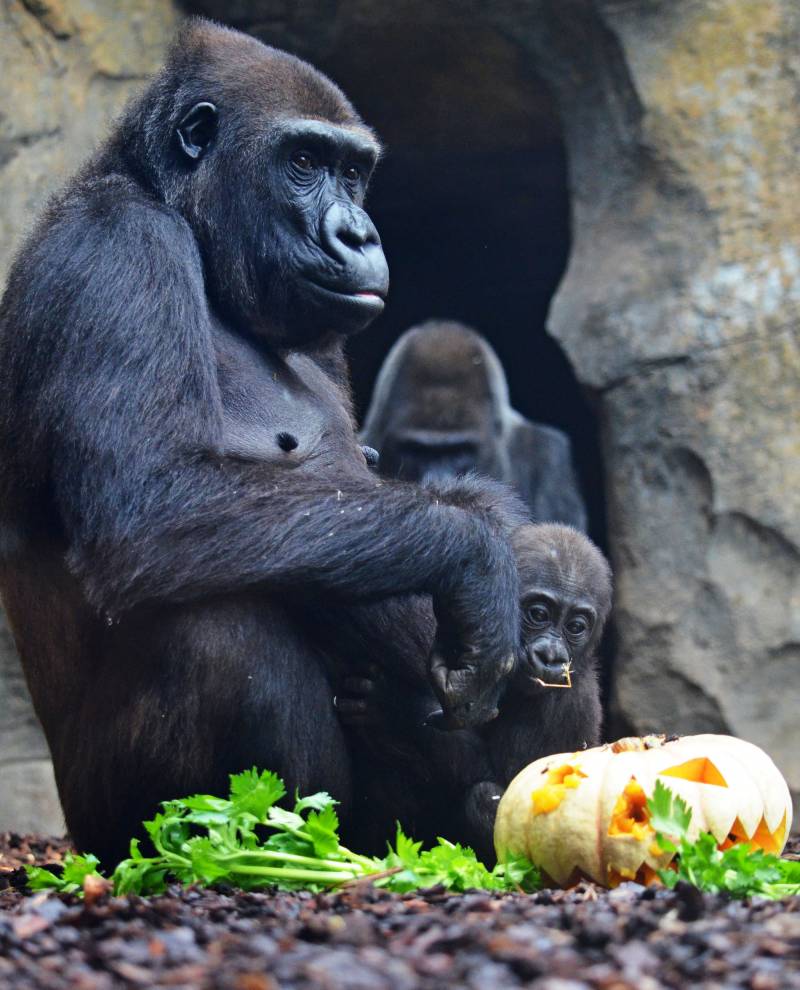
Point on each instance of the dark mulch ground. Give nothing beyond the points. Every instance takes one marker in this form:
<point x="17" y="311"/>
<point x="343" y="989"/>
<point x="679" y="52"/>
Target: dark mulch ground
<point x="362" y="939"/>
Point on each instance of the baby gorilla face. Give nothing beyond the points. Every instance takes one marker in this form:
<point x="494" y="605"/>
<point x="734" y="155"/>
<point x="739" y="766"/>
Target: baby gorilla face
<point x="557" y="629"/>
<point x="565" y="590"/>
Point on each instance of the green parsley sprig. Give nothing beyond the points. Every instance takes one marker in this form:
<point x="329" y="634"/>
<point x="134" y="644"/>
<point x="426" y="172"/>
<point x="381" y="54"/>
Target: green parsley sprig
<point x="740" y="871"/>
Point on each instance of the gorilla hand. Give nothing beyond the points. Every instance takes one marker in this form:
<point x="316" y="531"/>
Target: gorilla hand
<point x="475" y="649"/>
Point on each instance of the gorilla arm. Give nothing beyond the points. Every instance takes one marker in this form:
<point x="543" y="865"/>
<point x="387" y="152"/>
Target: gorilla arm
<point x="542" y="472"/>
<point x="111" y="360"/>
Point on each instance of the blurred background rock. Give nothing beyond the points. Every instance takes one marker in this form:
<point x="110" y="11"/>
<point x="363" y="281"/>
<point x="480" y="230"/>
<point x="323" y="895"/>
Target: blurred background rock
<point x="609" y="191"/>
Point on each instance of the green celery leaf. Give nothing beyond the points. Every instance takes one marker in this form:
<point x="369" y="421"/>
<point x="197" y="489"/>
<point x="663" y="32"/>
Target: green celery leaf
<point x="669" y="814"/>
<point x="281" y="818"/>
<point x="77" y="868"/>
<point x="206" y="864"/>
<point x="40" y="879"/>
<point x="256" y="793"/>
<point x="518" y="872"/>
<point x="323" y="828"/>
<point x="406" y="850"/>
<point x="789" y="870"/>
<point x="315" y="802"/>
<point x="140" y="876"/>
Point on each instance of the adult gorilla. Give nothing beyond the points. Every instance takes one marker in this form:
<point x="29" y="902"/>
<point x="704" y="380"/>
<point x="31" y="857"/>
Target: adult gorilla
<point x="182" y="487"/>
<point x="440" y="409"/>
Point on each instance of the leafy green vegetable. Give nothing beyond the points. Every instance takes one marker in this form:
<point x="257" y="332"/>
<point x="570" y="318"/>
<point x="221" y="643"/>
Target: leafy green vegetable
<point x="247" y="840"/>
<point x="75" y="869"/>
<point x="739" y="871"/>
<point x="453" y="866"/>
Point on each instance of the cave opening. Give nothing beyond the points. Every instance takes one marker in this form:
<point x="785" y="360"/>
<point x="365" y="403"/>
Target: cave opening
<point x="472" y="203"/>
<point x="473" y="206"/>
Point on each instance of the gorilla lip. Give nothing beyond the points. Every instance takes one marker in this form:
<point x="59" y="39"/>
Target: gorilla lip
<point x="374" y="297"/>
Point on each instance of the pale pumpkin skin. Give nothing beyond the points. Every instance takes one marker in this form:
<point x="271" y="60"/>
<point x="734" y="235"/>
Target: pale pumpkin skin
<point x="594" y="824"/>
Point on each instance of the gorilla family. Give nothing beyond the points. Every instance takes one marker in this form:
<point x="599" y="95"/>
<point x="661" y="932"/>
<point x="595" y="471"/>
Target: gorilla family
<point x="440" y="409"/>
<point x="190" y="533"/>
<point x="449" y="783"/>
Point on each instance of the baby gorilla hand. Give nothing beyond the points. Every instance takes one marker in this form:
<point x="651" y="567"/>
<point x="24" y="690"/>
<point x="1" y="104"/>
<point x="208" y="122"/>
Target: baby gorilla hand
<point x="359" y="700"/>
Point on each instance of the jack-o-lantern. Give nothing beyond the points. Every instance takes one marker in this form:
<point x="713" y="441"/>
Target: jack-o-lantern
<point x="584" y="815"/>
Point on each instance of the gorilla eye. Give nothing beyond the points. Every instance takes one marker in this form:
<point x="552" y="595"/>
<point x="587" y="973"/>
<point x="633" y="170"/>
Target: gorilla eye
<point x="352" y="173"/>
<point x="303" y="161"/>
<point x="538" y="614"/>
<point x="578" y="626"/>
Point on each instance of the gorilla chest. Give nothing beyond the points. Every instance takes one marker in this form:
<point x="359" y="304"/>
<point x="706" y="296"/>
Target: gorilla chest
<point x="287" y="412"/>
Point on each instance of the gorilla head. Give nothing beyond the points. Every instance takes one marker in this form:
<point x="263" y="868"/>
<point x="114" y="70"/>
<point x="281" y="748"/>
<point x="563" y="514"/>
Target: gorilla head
<point x="440" y="405"/>
<point x="269" y="163"/>
<point x="565" y="599"/>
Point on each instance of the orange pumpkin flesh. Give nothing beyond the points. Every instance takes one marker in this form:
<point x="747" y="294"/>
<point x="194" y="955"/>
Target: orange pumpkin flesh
<point x="551" y="794"/>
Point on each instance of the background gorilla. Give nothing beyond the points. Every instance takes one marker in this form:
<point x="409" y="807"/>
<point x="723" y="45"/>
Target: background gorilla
<point x="449" y="783"/>
<point x="440" y="408"/>
<point x="183" y="490"/>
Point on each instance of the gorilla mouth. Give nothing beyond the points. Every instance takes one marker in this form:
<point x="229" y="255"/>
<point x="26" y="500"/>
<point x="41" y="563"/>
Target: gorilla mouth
<point x="372" y="298"/>
<point x="556" y="677"/>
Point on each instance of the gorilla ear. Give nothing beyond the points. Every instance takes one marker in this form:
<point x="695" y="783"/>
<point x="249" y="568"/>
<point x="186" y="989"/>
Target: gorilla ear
<point x="197" y="130"/>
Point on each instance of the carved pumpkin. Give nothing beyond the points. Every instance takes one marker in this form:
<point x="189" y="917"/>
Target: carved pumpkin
<point x="584" y="814"/>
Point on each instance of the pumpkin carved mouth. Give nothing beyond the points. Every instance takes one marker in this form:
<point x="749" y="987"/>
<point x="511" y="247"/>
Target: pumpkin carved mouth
<point x="630" y="815"/>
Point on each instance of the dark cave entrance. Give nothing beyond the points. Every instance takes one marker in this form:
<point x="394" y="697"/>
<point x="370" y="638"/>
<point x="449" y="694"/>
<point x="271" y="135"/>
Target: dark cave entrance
<point x="472" y="203"/>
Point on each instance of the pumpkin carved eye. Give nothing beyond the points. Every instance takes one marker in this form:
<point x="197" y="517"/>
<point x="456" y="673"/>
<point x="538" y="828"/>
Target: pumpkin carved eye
<point x="701" y="770"/>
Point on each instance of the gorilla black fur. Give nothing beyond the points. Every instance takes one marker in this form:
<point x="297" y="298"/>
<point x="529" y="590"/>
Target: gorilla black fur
<point x="449" y="783"/>
<point x="440" y="408"/>
<point x="183" y="493"/>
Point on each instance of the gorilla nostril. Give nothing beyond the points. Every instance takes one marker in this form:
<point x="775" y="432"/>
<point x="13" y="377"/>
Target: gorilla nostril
<point x="287" y="442"/>
<point x="347" y="230"/>
<point x="352" y="237"/>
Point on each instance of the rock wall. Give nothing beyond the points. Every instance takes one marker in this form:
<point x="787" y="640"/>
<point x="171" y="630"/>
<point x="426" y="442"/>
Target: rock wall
<point x="66" y="66"/>
<point x="680" y="309"/>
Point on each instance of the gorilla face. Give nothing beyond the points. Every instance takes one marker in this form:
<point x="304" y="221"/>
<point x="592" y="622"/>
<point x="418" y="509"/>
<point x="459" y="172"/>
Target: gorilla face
<point x="277" y="208"/>
<point x="557" y="633"/>
<point x="565" y="599"/>
<point x="430" y="455"/>
<point x="336" y="277"/>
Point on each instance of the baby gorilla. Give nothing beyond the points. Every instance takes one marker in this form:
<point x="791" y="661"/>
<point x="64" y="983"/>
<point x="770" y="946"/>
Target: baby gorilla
<point x="449" y="783"/>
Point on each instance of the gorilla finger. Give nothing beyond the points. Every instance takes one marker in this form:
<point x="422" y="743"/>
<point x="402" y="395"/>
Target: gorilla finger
<point x="351" y="706"/>
<point x="435" y="719"/>
<point x="357" y="685"/>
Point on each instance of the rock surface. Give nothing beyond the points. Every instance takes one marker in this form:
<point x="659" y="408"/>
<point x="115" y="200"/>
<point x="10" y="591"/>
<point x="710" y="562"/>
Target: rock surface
<point x="67" y="66"/>
<point x="680" y="308"/>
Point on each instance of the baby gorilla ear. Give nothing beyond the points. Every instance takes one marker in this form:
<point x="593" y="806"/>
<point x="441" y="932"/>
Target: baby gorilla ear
<point x="197" y="130"/>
